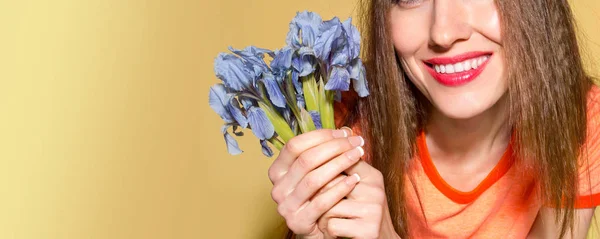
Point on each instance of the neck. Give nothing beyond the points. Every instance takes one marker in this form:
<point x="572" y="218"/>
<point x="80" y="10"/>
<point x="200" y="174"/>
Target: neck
<point x="469" y="139"/>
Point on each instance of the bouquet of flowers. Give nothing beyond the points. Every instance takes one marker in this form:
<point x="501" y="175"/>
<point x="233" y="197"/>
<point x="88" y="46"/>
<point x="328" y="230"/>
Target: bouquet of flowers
<point x="294" y="93"/>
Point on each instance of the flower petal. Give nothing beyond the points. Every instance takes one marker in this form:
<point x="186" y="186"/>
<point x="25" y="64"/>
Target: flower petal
<point x="359" y="80"/>
<point x="339" y="79"/>
<point x="275" y="94"/>
<point x="282" y="61"/>
<point x="316" y="117"/>
<point x="261" y="126"/>
<point x="232" y="145"/>
<point x="330" y="32"/>
<point x="234" y="109"/>
<point x="217" y="99"/>
<point x="304" y="64"/>
<point x="253" y="58"/>
<point x="304" y="29"/>
<point x="352" y="38"/>
<point x="266" y="150"/>
<point x="296" y="82"/>
<point x="233" y="72"/>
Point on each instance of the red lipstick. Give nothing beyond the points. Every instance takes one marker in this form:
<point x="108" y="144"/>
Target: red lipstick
<point x="459" y="78"/>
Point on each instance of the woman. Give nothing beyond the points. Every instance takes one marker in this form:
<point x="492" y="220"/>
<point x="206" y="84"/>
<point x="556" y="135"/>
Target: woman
<point x="481" y="123"/>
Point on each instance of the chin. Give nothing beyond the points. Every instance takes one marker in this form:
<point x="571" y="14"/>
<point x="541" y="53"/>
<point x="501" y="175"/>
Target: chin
<point x="466" y="105"/>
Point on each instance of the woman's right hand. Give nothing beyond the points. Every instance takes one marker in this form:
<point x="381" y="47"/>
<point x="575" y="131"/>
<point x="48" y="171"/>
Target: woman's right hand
<point x="312" y="164"/>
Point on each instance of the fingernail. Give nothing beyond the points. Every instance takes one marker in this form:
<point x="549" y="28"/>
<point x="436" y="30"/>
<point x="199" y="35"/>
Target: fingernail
<point x="355" y="153"/>
<point x="356" y="141"/>
<point x="348" y="129"/>
<point x="353" y="179"/>
<point x="339" y="133"/>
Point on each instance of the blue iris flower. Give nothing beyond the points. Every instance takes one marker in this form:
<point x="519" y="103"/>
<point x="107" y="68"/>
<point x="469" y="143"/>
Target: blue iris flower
<point x="276" y="100"/>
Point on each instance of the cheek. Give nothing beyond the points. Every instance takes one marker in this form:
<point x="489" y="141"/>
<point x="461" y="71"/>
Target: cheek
<point x="410" y="30"/>
<point x="486" y="20"/>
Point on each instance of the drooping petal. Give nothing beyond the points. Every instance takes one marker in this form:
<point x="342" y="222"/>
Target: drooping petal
<point x="304" y="29"/>
<point x="232" y="145"/>
<point x="330" y="33"/>
<point x="233" y="72"/>
<point x="282" y="60"/>
<point x="234" y="109"/>
<point x="266" y="150"/>
<point x="217" y="99"/>
<point x="316" y="119"/>
<point x="339" y="79"/>
<point x="352" y="38"/>
<point x="261" y="126"/>
<point x="275" y="94"/>
<point x="359" y="81"/>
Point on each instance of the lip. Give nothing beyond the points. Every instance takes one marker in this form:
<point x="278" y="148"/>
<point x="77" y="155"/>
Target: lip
<point x="456" y="79"/>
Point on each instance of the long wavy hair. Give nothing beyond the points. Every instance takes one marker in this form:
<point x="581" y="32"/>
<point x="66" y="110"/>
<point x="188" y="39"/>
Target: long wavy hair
<point x="547" y="96"/>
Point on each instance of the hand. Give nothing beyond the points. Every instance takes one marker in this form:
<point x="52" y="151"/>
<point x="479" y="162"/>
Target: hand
<point x="365" y="213"/>
<point x="306" y="164"/>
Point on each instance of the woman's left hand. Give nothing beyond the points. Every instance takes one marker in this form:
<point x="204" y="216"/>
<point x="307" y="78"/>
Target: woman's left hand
<point x="364" y="213"/>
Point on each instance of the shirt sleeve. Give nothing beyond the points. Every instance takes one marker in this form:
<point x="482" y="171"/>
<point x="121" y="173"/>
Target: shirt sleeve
<point x="589" y="173"/>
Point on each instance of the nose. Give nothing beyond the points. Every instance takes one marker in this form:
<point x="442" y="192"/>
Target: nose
<point x="450" y="23"/>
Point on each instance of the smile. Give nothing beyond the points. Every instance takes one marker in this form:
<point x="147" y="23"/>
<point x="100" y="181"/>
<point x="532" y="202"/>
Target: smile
<point x="457" y="70"/>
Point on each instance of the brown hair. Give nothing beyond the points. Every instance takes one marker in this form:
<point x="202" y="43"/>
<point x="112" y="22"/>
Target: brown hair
<point x="547" y="95"/>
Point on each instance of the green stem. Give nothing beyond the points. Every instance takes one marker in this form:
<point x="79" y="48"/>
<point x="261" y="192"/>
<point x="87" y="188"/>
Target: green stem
<point x="326" y="106"/>
<point x="277" y="143"/>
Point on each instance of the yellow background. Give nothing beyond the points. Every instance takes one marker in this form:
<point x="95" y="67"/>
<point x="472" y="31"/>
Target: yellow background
<point x="105" y="127"/>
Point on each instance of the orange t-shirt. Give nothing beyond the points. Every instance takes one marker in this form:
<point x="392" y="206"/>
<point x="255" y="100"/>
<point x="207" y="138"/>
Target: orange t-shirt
<point x="503" y="205"/>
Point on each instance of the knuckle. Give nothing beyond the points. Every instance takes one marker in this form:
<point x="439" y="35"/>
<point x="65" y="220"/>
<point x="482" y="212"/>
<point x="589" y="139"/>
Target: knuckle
<point x="284" y="212"/>
<point x="292" y="146"/>
<point x="271" y="174"/>
<point x="304" y="162"/>
<point x="277" y="195"/>
<point x="319" y="205"/>
<point x="332" y="229"/>
<point x="311" y="182"/>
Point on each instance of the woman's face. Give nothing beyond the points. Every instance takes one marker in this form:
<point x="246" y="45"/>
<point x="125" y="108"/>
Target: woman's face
<point x="452" y="51"/>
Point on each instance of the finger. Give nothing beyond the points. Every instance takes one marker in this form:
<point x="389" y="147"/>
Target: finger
<point x="330" y="185"/>
<point x="351" y="228"/>
<point x="298" y="145"/>
<point x="353" y="209"/>
<point x="324" y="202"/>
<point x="365" y="170"/>
<point x="311" y="159"/>
<point x="316" y="179"/>
<point x="348" y="129"/>
<point x="367" y="192"/>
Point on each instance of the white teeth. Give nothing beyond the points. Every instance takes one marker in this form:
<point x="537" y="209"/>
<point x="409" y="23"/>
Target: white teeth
<point x="458" y="67"/>
<point x="461" y="66"/>
<point x="449" y="69"/>
<point x="467" y="65"/>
